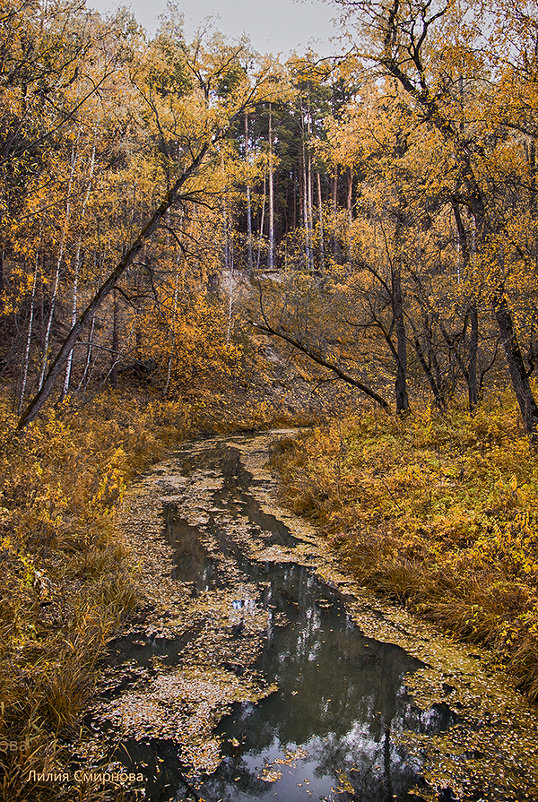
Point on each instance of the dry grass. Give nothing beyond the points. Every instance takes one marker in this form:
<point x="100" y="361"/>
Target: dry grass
<point x="436" y="512"/>
<point x="65" y="574"/>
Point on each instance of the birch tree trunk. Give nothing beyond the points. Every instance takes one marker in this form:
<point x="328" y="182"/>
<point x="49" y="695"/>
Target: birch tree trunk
<point x="89" y="354"/>
<point x="59" y="260"/>
<point x="76" y="269"/>
<point x="26" y="360"/>
<point x="171" y="197"/>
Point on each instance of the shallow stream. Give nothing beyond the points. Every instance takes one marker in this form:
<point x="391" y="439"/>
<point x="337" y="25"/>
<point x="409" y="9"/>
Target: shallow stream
<point x="329" y="724"/>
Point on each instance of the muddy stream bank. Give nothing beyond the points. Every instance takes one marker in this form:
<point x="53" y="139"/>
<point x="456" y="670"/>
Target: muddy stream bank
<point x="255" y="670"/>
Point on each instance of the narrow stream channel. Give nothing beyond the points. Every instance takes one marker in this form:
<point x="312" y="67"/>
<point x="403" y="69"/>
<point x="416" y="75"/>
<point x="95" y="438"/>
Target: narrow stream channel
<point x="331" y="730"/>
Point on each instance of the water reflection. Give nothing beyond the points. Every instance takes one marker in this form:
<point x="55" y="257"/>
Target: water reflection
<point x="236" y="498"/>
<point x="143" y="650"/>
<point x="192" y="563"/>
<point x="341" y="701"/>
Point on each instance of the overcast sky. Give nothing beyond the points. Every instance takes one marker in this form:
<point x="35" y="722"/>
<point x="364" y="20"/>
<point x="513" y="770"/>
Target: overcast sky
<point x="273" y="26"/>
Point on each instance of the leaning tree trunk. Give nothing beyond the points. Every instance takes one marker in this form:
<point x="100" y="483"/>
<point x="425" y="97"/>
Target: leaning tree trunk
<point x="171" y="197"/>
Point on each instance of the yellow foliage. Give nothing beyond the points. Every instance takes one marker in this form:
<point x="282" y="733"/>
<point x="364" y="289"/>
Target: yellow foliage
<point x="439" y="512"/>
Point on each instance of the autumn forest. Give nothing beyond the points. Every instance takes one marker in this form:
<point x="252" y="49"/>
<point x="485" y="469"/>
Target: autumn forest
<point x="199" y="239"/>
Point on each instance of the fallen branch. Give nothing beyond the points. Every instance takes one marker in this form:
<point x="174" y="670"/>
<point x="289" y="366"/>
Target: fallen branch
<point x="320" y="360"/>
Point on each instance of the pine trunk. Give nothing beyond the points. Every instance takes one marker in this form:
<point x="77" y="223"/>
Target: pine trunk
<point x="250" y="262"/>
<point x="271" y="251"/>
<point x="321" y="234"/>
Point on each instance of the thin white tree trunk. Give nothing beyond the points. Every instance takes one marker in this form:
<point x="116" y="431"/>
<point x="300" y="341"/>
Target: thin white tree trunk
<point x="321" y="233"/>
<point x="61" y="248"/>
<point x="306" y="215"/>
<point x="76" y="270"/>
<point x="26" y="361"/>
<point x="89" y="354"/>
<point x="89" y="350"/>
<point x="309" y="215"/>
<point x="307" y="197"/>
<point x="334" y="199"/>
<point x="262" y="221"/>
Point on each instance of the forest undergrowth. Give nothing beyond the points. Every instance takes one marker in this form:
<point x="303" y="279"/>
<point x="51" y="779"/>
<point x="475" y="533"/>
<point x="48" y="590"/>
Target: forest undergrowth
<point x="436" y="512"/>
<point x="67" y="577"/>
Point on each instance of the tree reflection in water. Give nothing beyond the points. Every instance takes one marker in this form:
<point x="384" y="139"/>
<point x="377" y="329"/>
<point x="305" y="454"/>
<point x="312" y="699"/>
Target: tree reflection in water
<point x="341" y="700"/>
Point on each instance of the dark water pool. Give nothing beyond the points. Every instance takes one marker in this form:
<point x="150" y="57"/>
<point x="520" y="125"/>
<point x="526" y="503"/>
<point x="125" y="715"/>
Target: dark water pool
<point x="333" y="722"/>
